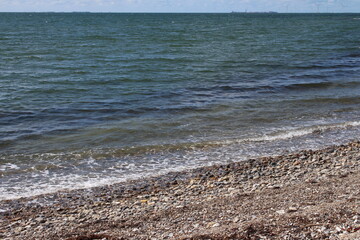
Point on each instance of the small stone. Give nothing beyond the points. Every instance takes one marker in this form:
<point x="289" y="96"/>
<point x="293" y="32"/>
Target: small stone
<point x="313" y="181"/>
<point x="178" y="193"/>
<point x="292" y="209"/>
<point x="216" y="225"/>
<point x="40" y="219"/>
<point x="18" y="229"/>
<point x="210" y="224"/>
<point x="281" y="212"/>
<point x="236" y="219"/>
<point x="350" y="236"/>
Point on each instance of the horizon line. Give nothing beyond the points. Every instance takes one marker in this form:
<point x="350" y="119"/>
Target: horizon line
<point x="234" y="12"/>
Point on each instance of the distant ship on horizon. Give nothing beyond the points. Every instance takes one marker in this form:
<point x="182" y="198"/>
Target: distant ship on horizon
<point x="268" y="12"/>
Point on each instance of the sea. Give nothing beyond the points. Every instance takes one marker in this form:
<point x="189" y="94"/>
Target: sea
<point x="91" y="99"/>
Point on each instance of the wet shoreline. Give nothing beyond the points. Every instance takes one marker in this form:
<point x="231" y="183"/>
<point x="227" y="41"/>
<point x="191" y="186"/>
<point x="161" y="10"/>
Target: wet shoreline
<point x="65" y="214"/>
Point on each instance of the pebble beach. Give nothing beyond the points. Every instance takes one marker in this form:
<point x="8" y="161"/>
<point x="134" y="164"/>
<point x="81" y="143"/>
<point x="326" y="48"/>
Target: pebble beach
<point x="311" y="194"/>
<point x="179" y="126"/>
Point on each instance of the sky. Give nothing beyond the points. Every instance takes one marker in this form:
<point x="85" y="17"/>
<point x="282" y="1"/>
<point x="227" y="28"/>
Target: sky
<point x="180" y="5"/>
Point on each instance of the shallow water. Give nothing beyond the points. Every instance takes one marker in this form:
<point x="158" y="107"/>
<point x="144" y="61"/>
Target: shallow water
<point x="91" y="99"/>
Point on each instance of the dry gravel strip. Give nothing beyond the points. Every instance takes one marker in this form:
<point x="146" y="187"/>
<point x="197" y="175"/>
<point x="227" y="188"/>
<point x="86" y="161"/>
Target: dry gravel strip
<point x="304" y="195"/>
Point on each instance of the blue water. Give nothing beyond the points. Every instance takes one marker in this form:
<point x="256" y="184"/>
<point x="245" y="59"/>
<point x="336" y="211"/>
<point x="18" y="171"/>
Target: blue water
<point x="90" y="99"/>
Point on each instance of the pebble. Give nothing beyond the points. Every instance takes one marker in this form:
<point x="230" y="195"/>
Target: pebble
<point x="40" y="219"/>
<point x="216" y="225"/>
<point x="292" y="209"/>
<point x="281" y="212"/>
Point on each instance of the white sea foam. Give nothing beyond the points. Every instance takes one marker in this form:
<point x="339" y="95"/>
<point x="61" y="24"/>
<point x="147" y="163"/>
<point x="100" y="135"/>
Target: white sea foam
<point x="288" y="133"/>
<point x="7" y="166"/>
<point x="90" y="172"/>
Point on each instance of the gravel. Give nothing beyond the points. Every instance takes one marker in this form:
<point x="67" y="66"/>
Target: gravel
<point x="304" y="195"/>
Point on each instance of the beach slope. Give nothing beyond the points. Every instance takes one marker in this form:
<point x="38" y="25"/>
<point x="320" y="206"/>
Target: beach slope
<point x="312" y="194"/>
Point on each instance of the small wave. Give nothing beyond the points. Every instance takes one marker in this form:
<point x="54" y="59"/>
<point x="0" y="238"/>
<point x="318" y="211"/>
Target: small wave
<point x="142" y="110"/>
<point x="313" y="66"/>
<point x="310" y="76"/>
<point x="229" y="88"/>
<point x="24" y="135"/>
<point x="353" y="55"/>
<point x="332" y="65"/>
<point x="100" y="37"/>
<point x="117" y="153"/>
<point x="343" y="100"/>
<point x="274" y="88"/>
<point x="36" y="57"/>
<point x="304" y="86"/>
<point x="288" y="134"/>
<point x="239" y="89"/>
<point x="321" y="85"/>
<point x="5" y="143"/>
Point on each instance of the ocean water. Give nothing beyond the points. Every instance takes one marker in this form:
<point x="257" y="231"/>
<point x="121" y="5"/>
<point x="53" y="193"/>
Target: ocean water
<point x="92" y="99"/>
